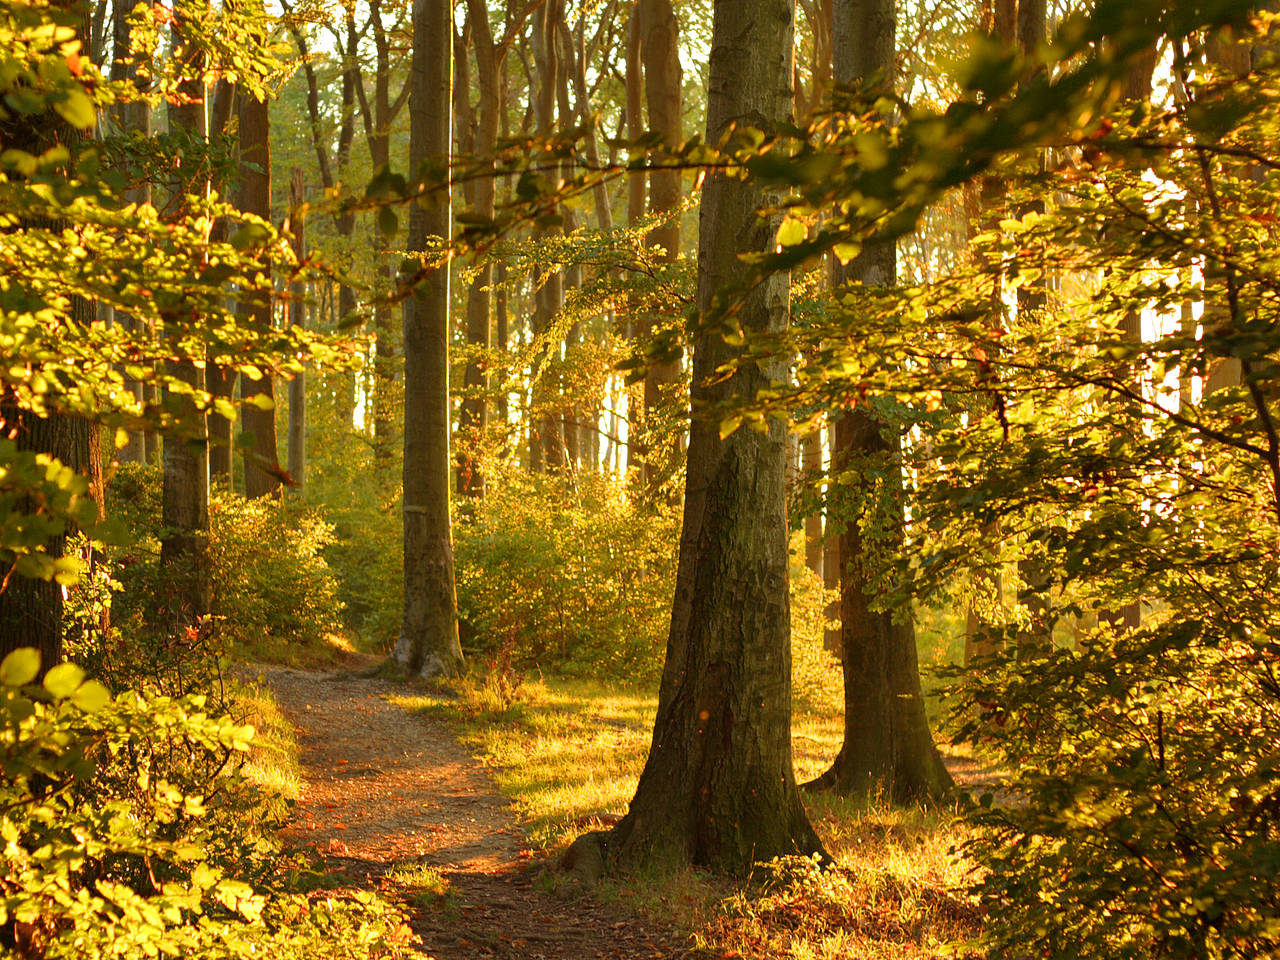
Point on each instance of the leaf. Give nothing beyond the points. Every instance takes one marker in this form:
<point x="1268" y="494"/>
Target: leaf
<point x="77" y="109"/>
<point x="791" y="232"/>
<point x="20" y="667"/>
<point x="91" y="696"/>
<point x="62" y="680"/>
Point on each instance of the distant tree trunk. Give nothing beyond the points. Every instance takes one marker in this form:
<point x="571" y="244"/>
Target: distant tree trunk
<point x="428" y="644"/>
<point x="297" y="318"/>
<point x="635" y="209"/>
<point x="261" y="459"/>
<point x="1037" y="638"/>
<point x="134" y="117"/>
<point x="811" y="468"/>
<point x="660" y="50"/>
<point x="887" y="743"/>
<point x="184" y="548"/>
<point x="546" y="442"/>
<point x="718" y="788"/>
<point x="831" y="552"/>
<point x="221" y="380"/>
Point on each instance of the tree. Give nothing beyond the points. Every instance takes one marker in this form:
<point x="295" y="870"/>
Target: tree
<point x="184" y="548"/>
<point x="428" y="643"/>
<point x="718" y="789"/>
<point x="886" y="743"/>
<point x="258" y="416"/>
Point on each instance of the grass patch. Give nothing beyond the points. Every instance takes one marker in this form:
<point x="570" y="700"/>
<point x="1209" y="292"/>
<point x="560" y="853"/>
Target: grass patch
<point x="273" y="762"/>
<point x="422" y="886"/>
<point x="569" y="752"/>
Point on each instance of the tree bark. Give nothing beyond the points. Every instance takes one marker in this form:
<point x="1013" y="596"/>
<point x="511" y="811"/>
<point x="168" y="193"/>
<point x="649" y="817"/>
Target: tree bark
<point x="133" y="117"/>
<point x="297" y="318"/>
<point x="184" y="548"/>
<point x="428" y="644"/>
<point x="660" y="51"/>
<point x="887" y="743"/>
<point x="718" y="788"/>
<point x="261" y="458"/>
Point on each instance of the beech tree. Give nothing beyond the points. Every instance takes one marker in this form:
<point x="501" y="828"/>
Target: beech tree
<point x="718" y="789"/>
<point x="185" y="545"/>
<point x="428" y="643"/>
<point x="886" y="734"/>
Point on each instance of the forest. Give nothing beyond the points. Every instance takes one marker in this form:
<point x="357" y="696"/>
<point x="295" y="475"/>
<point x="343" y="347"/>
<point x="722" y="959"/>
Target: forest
<point x="640" y="478"/>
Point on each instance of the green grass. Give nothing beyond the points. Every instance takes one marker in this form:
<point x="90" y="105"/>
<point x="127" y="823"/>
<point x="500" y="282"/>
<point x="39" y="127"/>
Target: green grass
<point x="569" y="751"/>
<point x="273" y="761"/>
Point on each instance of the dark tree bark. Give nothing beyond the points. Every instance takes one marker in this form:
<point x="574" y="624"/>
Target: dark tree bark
<point x="718" y="788"/>
<point x="428" y="644"/>
<point x="887" y="743"/>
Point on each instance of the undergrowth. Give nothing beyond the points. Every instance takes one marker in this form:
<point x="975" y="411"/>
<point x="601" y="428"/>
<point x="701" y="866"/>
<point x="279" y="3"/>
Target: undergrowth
<point x="568" y="751"/>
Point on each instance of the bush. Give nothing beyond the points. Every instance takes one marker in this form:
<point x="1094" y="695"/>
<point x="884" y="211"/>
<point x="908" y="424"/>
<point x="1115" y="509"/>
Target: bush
<point x="271" y="586"/>
<point x="568" y="572"/>
<point x="129" y="831"/>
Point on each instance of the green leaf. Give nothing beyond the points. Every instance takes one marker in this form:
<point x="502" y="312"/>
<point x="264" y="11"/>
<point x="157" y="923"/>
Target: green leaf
<point x="91" y="696"/>
<point x="20" y="667"/>
<point x="791" y="232"/>
<point x="63" y="680"/>
<point x="77" y="109"/>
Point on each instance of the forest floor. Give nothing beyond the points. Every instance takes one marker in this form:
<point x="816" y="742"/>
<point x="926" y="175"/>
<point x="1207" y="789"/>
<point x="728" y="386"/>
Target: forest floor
<point x="392" y="802"/>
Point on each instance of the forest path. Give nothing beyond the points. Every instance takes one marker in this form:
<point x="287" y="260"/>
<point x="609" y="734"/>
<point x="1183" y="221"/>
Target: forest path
<point x="384" y="788"/>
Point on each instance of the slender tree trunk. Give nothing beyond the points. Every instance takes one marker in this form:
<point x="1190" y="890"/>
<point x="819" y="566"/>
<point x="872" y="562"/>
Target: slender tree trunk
<point x="428" y="644"/>
<point x="184" y="548"/>
<point x="887" y="743"/>
<point x="261" y="459"/>
<point x="660" y="50"/>
<point x="718" y="788"/>
<point x="811" y="464"/>
<point x="134" y="117"/>
<point x="635" y="213"/>
<point x="298" y="318"/>
<point x="546" y="446"/>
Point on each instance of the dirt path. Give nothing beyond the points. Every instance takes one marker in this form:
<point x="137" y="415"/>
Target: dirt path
<point x="385" y="787"/>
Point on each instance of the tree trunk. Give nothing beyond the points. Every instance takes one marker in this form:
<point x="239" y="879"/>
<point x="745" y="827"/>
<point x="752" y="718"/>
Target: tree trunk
<point x="887" y="743"/>
<point x="718" y="788"/>
<point x="546" y="442"/>
<point x="811" y="468"/>
<point x="428" y="644"/>
<point x="184" y="548"/>
<point x="261" y="458"/>
<point x="298" y="318"/>
<point x="133" y="117"/>
<point x="660" y="50"/>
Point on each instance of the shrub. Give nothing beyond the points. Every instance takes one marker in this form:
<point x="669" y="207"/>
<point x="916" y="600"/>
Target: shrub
<point x="270" y="583"/>
<point x="129" y="831"/>
<point x="568" y="572"/>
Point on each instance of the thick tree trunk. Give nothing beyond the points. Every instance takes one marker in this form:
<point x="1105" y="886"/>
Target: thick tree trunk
<point x="887" y="743"/>
<point x="261" y="459"/>
<point x="718" y="788"/>
<point x="428" y="644"/>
